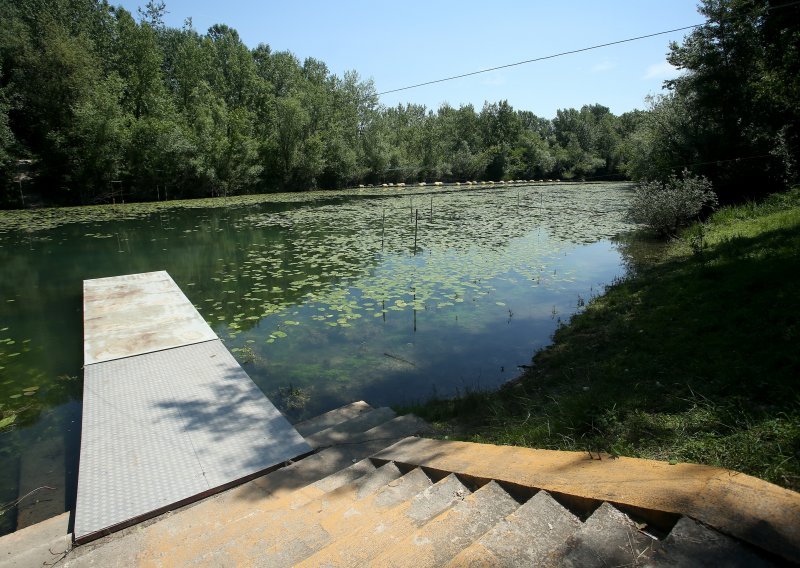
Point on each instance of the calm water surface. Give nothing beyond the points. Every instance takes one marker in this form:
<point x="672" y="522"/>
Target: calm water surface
<point x="322" y="297"/>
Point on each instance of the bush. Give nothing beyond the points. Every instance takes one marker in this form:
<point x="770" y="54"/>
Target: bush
<point x="667" y="206"/>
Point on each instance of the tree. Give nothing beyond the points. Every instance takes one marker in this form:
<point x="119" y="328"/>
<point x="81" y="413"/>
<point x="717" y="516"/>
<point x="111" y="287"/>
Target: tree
<point x="746" y="124"/>
<point x="95" y="142"/>
<point x="139" y="60"/>
<point x="7" y="142"/>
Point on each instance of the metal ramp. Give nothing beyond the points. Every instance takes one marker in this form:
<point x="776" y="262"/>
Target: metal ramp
<point x="169" y="416"/>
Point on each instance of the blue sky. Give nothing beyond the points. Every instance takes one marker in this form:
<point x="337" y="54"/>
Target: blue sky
<point x="399" y="44"/>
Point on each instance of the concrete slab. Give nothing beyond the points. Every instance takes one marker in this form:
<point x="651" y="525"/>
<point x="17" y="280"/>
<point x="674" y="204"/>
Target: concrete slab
<point x="135" y="314"/>
<point x="170" y="426"/>
<point x="42" y="544"/>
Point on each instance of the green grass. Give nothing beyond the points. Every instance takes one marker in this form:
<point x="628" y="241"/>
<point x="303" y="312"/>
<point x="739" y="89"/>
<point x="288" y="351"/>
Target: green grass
<point x="693" y="358"/>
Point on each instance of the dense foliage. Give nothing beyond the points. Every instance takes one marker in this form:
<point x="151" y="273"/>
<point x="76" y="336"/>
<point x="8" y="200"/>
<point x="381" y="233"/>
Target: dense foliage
<point x="109" y="105"/>
<point x="733" y="115"/>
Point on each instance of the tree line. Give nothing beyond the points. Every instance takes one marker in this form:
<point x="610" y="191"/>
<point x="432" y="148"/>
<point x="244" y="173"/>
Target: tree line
<point x="103" y="102"/>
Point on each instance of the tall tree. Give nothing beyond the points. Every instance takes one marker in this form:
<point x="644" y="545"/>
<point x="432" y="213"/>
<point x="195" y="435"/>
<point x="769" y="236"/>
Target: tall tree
<point x="745" y="125"/>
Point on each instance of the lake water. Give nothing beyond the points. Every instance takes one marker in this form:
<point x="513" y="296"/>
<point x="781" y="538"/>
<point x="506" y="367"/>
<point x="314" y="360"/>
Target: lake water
<point x="322" y="297"/>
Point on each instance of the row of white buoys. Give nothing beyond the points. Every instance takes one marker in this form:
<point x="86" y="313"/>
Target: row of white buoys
<point x="458" y="183"/>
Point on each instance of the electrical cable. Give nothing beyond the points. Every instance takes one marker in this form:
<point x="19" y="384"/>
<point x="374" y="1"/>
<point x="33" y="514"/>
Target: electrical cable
<point x="563" y="53"/>
<point x="553" y="56"/>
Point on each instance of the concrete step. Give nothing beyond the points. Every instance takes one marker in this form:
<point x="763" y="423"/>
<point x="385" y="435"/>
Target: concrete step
<point x="313" y="425"/>
<point x="343" y="476"/>
<point x="524" y="538"/>
<point x="185" y="535"/>
<point x="369" y="539"/>
<point x="42" y="544"/>
<point x="692" y="544"/>
<point x="439" y="540"/>
<point x="279" y="527"/>
<point x="344" y="431"/>
<point x="319" y="530"/>
<point x="193" y="532"/>
<point x="390" y="432"/>
<point x="750" y="509"/>
<point x="608" y="538"/>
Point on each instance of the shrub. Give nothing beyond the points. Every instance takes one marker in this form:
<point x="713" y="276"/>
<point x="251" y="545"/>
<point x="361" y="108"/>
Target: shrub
<point x="667" y="206"/>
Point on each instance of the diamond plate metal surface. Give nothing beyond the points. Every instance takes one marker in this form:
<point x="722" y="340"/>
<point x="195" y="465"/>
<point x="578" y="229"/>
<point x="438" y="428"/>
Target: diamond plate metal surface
<point x="163" y="427"/>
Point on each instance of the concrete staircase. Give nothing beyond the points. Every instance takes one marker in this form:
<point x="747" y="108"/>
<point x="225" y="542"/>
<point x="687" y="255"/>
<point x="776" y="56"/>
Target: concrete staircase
<point x="373" y="496"/>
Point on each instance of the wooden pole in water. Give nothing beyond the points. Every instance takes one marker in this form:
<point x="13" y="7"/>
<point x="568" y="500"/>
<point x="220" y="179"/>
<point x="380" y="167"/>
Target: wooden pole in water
<point x="416" y="224"/>
<point x="383" y="228"/>
<point x="431" y="208"/>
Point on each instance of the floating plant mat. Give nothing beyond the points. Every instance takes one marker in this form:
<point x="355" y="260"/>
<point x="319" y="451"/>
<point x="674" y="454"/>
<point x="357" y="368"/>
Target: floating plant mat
<point x="323" y="296"/>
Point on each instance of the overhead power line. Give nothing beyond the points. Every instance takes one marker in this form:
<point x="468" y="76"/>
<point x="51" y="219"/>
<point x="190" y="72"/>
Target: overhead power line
<point x="553" y="56"/>
<point x="571" y="52"/>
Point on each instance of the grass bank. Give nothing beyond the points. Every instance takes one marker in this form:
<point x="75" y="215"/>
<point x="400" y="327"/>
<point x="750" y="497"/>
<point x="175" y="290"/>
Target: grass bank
<point x="695" y="357"/>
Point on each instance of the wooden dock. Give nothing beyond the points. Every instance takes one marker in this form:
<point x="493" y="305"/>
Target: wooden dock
<point x="169" y="416"/>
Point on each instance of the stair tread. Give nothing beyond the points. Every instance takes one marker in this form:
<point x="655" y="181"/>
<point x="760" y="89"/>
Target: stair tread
<point x="608" y="538"/>
<point x="319" y="532"/>
<point x="440" y="539"/>
<point x="280" y="526"/>
<point x="220" y="518"/>
<point x="693" y="544"/>
<point x="344" y="476"/>
<point x="349" y="429"/>
<point x="369" y="539"/>
<point x="525" y="537"/>
<point x="331" y="418"/>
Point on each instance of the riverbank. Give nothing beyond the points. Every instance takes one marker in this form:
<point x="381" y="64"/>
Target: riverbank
<point x="693" y="358"/>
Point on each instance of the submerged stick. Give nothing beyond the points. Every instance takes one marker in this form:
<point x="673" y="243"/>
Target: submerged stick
<point x="396" y="358"/>
<point x="9" y="506"/>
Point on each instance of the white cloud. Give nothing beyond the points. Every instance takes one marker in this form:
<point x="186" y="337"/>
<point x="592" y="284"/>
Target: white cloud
<point x="603" y="66"/>
<point x="663" y="70"/>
